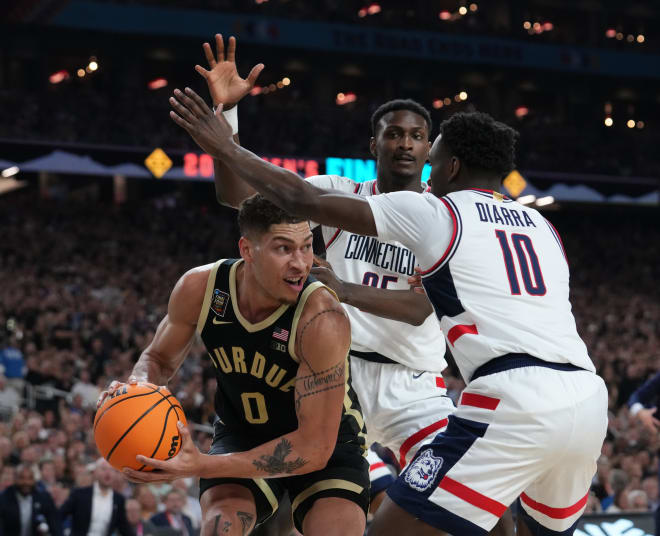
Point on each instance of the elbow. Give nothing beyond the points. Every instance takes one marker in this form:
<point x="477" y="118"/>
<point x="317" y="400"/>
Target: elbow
<point x="321" y="457"/>
<point x="226" y="201"/>
<point x="296" y="199"/>
<point x="318" y="455"/>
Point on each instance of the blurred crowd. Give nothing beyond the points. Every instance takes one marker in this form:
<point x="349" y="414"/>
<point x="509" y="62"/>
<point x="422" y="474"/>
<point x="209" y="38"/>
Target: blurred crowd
<point x="83" y="285"/>
<point x="296" y="122"/>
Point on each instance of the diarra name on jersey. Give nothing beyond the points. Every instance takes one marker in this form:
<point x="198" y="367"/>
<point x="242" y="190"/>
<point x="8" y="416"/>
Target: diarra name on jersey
<point x="256" y="366"/>
<point x="504" y="216"/>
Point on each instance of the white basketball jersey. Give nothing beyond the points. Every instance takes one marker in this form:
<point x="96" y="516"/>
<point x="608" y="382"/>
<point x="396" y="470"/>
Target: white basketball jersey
<point x="369" y="261"/>
<point x="494" y="270"/>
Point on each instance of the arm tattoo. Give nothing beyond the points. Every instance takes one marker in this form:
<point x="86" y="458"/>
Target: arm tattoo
<point x="302" y="333"/>
<point x="275" y="463"/>
<point x="324" y="380"/>
<point x="246" y="521"/>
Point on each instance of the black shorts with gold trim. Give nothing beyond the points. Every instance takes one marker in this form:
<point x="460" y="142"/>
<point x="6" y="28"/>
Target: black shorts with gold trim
<point x="346" y="475"/>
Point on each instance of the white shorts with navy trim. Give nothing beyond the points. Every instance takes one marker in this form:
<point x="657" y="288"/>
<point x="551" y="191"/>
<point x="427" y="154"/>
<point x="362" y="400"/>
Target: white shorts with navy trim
<point x="529" y="432"/>
<point x="403" y="408"/>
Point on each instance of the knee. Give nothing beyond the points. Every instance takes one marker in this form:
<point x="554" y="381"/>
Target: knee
<point x="221" y="521"/>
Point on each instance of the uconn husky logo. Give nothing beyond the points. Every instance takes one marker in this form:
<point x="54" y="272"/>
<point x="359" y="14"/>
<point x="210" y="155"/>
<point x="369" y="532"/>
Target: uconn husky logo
<point x="423" y="470"/>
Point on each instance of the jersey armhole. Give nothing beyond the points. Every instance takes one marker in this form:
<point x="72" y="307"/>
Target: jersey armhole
<point x="208" y="293"/>
<point x="457" y="231"/>
<point x="298" y="313"/>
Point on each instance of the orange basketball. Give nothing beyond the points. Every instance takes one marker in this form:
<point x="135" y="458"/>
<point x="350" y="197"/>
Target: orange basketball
<point x="138" y="419"/>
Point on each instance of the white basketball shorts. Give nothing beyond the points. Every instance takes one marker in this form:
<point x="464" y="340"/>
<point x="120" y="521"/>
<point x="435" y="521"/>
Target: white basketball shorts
<point x="532" y="432"/>
<point x="402" y="407"/>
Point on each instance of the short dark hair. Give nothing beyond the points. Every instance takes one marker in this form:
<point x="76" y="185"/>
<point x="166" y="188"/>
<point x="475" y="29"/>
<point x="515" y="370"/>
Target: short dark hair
<point x="480" y="141"/>
<point x="256" y="214"/>
<point x="400" y="104"/>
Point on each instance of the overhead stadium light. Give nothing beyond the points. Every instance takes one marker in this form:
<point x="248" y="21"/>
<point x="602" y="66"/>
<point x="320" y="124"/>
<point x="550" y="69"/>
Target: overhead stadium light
<point x="10" y="171"/>
<point x="543" y="201"/>
<point x="526" y="199"/>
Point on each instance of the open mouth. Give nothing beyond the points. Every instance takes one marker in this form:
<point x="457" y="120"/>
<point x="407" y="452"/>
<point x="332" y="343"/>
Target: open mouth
<point x="295" y="283"/>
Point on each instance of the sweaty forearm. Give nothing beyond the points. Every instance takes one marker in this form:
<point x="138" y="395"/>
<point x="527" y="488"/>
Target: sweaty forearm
<point x="290" y="454"/>
<point x="283" y="187"/>
<point x="230" y="190"/>
<point x="402" y="305"/>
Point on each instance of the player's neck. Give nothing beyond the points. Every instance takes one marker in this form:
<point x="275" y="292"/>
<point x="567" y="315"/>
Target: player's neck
<point x="388" y="183"/>
<point x="479" y="182"/>
<point x="253" y="303"/>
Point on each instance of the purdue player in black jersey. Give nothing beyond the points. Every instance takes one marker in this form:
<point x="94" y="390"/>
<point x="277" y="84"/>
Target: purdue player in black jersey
<point x="288" y="418"/>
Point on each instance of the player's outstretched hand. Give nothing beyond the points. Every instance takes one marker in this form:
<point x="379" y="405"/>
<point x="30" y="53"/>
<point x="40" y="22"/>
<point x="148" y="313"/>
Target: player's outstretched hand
<point x="186" y="463"/>
<point x="225" y="85"/>
<point x="112" y="389"/>
<point x="209" y="130"/>
<point x="328" y="277"/>
<point x="646" y="417"/>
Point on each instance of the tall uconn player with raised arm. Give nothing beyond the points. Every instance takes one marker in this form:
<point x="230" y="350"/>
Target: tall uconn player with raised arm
<point x="396" y="367"/>
<point x="531" y="421"/>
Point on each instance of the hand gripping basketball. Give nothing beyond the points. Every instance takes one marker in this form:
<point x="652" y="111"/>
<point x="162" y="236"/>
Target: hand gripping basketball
<point x="112" y="389"/>
<point x="188" y="462"/>
<point x="138" y="418"/>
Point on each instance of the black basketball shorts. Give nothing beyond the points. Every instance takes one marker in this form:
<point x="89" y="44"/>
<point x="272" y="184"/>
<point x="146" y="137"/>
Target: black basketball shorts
<point x="346" y="475"/>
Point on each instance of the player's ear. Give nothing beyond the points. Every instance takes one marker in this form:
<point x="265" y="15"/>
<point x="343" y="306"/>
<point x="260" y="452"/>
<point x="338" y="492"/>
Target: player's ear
<point x="454" y="168"/>
<point x="372" y="147"/>
<point x="246" y="249"/>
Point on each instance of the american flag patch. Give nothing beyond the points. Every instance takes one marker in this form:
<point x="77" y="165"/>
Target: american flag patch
<point x="281" y="334"/>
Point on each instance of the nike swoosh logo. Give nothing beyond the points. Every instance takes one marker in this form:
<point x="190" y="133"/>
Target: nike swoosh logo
<point x="215" y="321"/>
<point x="415" y="376"/>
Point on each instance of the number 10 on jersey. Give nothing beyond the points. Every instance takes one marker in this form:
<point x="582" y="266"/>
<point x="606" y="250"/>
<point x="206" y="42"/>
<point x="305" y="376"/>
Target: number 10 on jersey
<point x="527" y="260"/>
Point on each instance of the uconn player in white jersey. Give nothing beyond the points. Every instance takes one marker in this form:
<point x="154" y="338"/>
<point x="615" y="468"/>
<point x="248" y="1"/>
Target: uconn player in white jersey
<point x="531" y="421"/>
<point x="396" y="367"/>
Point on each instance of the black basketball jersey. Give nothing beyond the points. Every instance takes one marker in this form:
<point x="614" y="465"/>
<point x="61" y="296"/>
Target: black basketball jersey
<point x="256" y="364"/>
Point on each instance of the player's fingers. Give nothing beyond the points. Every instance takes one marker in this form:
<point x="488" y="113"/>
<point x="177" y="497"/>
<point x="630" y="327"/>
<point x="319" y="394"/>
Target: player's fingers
<point x="199" y="101"/>
<point x="209" y="55"/>
<point x="231" y="50"/>
<point x="419" y="290"/>
<point x="322" y="262"/>
<point x="202" y="71"/>
<point x="151" y="462"/>
<point x="418" y="269"/>
<point x="254" y="73"/>
<point x="132" y="380"/>
<point x="181" y="122"/>
<point x="182" y="110"/>
<point x="101" y="399"/>
<point x="186" y="439"/>
<point x="185" y="99"/>
<point x="219" y="48"/>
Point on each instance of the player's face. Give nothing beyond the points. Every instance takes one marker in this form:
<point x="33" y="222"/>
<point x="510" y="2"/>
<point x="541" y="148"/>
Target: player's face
<point x="282" y="259"/>
<point x="443" y="168"/>
<point x="401" y="145"/>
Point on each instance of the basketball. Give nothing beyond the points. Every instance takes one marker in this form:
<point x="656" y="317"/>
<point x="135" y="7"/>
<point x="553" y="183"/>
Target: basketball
<point x="138" y="419"/>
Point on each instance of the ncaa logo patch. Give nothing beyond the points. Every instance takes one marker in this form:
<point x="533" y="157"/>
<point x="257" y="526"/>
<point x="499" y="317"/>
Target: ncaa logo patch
<point x="219" y="302"/>
<point x="423" y="470"/>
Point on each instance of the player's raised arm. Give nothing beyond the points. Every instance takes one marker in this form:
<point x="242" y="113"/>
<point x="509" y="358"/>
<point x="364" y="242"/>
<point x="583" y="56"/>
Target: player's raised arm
<point x="227" y="88"/>
<point x="286" y="189"/>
